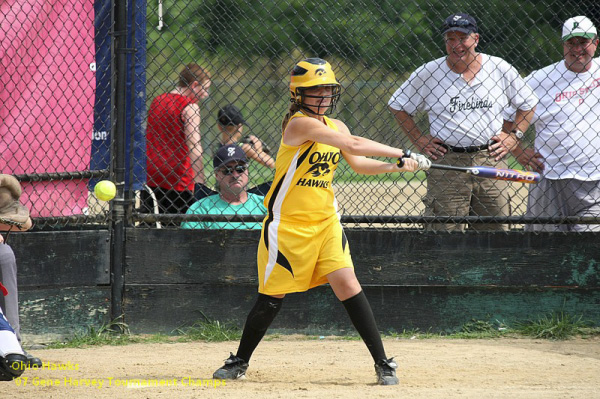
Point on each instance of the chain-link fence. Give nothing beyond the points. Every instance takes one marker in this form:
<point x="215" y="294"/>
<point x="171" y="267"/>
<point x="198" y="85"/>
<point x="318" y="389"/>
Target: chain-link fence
<point x="240" y="53"/>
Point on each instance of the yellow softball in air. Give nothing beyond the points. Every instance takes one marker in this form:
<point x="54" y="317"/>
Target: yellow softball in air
<point x="105" y="190"/>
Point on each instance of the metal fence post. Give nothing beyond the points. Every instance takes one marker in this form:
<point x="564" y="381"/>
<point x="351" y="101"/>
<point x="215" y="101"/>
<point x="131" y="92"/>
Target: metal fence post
<point x="119" y="204"/>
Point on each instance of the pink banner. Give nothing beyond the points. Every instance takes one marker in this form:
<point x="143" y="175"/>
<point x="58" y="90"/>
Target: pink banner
<point x="47" y="85"/>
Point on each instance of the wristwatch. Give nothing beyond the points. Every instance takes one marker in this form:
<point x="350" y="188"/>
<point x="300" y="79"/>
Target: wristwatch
<point x="519" y="134"/>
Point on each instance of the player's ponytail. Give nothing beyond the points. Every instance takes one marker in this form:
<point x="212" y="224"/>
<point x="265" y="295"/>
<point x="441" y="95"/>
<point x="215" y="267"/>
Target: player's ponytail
<point x="295" y="107"/>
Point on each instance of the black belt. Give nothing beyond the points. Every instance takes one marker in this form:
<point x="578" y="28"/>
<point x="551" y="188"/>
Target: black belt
<point x="469" y="149"/>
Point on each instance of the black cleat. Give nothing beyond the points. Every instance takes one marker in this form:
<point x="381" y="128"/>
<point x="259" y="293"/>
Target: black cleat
<point x="386" y="372"/>
<point x="32" y="361"/>
<point x="233" y="369"/>
<point x="12" y="366"/>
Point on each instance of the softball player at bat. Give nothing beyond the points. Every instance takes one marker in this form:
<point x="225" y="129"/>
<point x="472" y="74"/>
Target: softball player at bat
<point x="302" y="243"/>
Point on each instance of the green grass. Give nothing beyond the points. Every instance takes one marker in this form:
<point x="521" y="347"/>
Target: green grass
<point x="117" y="333"/>
<point x="557" y="326"/>
<point x="482" y="329"/>
<point x="209" y="331"/>
<point x="113" y="333"/>
<point x="474" y="329"/>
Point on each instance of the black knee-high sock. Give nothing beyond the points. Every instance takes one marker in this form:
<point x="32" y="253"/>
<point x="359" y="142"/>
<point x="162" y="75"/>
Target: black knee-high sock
<point x="361" y="314"/>
<point x="259" y="319"/>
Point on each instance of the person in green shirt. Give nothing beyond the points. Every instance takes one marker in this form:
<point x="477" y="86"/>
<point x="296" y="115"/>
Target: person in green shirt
<point x="231" y="172"/>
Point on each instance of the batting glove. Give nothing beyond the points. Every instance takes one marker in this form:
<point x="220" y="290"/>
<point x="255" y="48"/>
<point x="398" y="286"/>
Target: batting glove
<point x="424" y="163"/>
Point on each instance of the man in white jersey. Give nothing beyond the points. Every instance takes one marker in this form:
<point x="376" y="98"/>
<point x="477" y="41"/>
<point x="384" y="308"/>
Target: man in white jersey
<point x="567" y="125"/>
<point x="464" y="94"/>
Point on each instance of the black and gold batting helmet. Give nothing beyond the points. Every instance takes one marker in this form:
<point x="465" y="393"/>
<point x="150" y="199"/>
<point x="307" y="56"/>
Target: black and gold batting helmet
<point x="311" y="73"/>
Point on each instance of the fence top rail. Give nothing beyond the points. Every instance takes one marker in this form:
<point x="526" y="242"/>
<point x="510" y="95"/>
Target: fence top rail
<point x="376" y="219"/>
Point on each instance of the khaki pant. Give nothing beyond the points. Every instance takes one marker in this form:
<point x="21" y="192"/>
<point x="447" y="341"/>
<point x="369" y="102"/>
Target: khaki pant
<point x="452" y="193"/>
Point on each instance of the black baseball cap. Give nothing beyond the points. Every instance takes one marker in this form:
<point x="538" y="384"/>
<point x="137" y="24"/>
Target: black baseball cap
<point x="228" y="153"/>
<point x="230" y="115"/>
<point x="460" y="22"/>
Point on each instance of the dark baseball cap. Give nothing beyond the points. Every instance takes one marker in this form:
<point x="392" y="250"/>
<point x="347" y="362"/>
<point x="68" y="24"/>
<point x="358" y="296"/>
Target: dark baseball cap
<point x="228" y="153"/>
<point x="460" y="22"/>
<point x="230" y="115"/>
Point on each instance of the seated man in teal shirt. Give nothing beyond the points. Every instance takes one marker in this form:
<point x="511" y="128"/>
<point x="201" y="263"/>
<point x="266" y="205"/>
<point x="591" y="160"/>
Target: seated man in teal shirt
<point x="231" y="171"/>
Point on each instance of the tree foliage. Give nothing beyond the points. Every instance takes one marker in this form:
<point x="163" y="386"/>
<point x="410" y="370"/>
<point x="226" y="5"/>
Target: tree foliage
<point x="397" y="36"/>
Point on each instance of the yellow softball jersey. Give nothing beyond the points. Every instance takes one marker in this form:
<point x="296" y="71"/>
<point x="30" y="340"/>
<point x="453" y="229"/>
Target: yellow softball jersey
<point x="302" y="191"/>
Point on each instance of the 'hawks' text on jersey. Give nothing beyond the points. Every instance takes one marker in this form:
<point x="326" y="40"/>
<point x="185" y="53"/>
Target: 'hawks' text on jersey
<point x="302" y="190"/>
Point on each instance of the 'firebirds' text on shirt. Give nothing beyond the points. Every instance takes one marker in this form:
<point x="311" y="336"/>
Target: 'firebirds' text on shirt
<point x="460" y="113"/>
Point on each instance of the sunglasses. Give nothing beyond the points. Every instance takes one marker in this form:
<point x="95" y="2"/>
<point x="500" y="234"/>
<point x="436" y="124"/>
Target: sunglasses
<point x="461" y="23"/>
<point x="238" y="168"/>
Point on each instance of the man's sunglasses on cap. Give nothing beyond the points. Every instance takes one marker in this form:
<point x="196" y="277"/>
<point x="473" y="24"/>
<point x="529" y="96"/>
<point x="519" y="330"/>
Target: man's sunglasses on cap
<point x="461" y="22"/>
<point x="458" y="24"/>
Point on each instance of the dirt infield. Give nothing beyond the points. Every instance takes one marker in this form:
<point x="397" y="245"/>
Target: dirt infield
<point x="386" y="198"/>
<point x="285" y="367"/>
